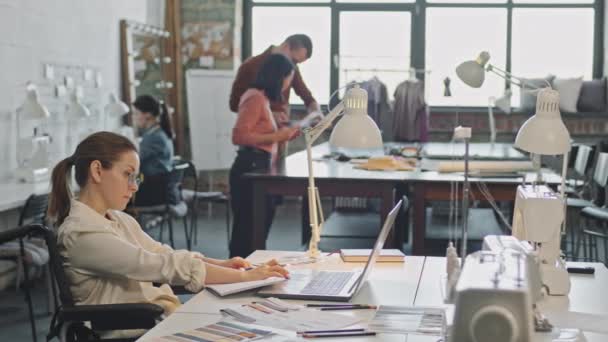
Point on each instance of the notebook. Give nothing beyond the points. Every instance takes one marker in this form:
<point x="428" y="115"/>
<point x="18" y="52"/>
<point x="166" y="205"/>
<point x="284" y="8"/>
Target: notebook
<point x="330" y="285"/>
<point x="228" y="289"/>
<point x="362" y="255"/>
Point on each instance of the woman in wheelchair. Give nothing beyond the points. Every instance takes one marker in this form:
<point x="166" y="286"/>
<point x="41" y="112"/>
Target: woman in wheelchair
<point x="108" y="258"/>
<point x="152" y="120"/>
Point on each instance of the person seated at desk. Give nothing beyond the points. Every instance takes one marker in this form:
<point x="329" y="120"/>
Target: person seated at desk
<point x="108" y="258"/>
<point x="152" y="120"/>
<point x="257" y="135"/>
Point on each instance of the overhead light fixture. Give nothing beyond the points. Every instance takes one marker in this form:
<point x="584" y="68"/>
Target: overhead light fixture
<point x="31" y="107"/>
<point x="115" y="107"/>
<point x="76" y="109"/>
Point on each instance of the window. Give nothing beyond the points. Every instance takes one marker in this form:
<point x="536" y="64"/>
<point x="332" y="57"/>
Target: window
<point x="529" y="38"/>
<point x="363" y="52"/>
<point x="552" y="41"/>
<point x="455" y="35"/>
<point x="271" y="25"/>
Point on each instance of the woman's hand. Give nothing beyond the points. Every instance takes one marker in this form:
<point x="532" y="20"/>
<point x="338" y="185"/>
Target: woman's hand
<point x="236" y="262"/>
<point x="265" y="271"/>
<point x="286" y="133"/>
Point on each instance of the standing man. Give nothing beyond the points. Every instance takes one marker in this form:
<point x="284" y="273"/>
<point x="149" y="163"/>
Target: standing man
<point x="298" y="48"/>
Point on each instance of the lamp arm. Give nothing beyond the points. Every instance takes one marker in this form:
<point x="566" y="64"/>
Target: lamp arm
<point x="315" y="132"/>
<point x="506" y="75"/>
<point x="315" y="211"/>
<point x="520" y="82"/>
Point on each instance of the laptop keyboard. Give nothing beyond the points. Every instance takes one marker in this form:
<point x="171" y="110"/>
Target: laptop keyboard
<point x="327" y="283"/>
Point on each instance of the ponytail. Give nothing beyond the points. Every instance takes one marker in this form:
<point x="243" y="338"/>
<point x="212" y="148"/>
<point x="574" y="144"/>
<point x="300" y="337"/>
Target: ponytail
<point x="59" y="202"/>
<point x="158" y="109"/>
<point x="165" y="121"/>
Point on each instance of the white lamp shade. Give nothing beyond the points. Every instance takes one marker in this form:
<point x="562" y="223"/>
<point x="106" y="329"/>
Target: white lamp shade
<point x="545" y="132"/>
<point x="31" y="107"/>
<point x="116" y="107"/>
<point x="472" y="73"/>
<point x="76" y="109"/>
<point x="356" y="130"/>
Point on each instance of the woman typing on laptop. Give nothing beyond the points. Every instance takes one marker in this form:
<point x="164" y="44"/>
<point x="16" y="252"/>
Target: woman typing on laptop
<point x="109" y="259"/>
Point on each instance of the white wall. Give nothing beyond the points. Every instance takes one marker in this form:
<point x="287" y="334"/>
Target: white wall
<point x="65" y="32"/>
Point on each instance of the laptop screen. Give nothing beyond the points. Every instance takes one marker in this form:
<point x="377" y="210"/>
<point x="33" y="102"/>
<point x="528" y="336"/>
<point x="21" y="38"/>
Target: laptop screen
<point x="386" y="228"/>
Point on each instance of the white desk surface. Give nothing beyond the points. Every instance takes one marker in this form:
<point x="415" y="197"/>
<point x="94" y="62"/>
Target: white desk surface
<point x="14" y="195"/>
<point x="415" y="282"/>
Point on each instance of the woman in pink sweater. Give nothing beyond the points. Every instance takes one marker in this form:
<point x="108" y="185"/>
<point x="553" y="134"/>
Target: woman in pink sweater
<point x="257" y="135"/>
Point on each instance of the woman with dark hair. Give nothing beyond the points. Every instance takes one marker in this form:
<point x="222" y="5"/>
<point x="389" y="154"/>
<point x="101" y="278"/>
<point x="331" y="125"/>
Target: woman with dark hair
<point x="108" y="258"/>
<point x="153" y="122"/>
<point x="257" y="135"/>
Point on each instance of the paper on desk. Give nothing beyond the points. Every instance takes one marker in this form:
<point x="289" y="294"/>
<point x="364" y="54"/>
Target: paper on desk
<point x="217" y="332"/>
<point x="579" y="320"/>
<point x="409" y="320"/>
<point x="227" y="289"/>
<point x="299" y="320"/>
<point x="308" y="120"/>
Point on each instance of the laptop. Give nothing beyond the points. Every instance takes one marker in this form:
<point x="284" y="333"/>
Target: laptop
<point x="339" y="286"/>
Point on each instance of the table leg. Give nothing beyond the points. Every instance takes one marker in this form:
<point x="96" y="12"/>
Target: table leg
<point x="419" y="220"/>
<point x="258" y="235"/>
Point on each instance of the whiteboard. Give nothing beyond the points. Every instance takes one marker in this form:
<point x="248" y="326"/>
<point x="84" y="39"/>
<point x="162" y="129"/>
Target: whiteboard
<point x="210" y="118"/>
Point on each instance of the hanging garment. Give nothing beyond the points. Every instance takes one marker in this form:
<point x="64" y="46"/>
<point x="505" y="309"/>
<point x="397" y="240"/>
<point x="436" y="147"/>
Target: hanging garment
<point x="410" y="112"/>
<point x="378" y="107"/>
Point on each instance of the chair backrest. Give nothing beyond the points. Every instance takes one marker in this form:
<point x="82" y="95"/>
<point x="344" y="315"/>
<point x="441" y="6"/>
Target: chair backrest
<point x="600" y="175"/>
<point x="55" y="259"/>
<point x="34" y="210"/>
<point x="57" y="268"/>
<point x="191" y="175"/>
<point x="583" y="163"/>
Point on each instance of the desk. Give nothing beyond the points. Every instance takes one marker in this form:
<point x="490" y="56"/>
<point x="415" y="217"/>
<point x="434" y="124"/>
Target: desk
<point x="477" y="151"/>
<point x="415" y="282"/>
<point x="334" y="178"/>
<point x="14" y="195"/>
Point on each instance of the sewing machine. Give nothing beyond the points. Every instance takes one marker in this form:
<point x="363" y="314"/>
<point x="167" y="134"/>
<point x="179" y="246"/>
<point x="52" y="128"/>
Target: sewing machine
<point x="494" y="297"/>
<point x="537" y="218"/>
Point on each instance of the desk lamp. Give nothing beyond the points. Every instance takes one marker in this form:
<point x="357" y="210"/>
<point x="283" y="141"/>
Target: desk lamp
<point x="115" y="108"/>
<point x="356" y="130"/>
<point x="32" y="150"/>
<point x="539" y="212"/>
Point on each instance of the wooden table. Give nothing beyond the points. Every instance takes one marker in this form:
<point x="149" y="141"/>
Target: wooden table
<point x="334" y="178"/>
<point x="414" y="282"/>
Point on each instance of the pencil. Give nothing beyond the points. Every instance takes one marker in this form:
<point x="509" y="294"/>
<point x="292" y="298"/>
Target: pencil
<point x="329" y="331"/>
<point x="367" y="307"/>
<point x="362" y="333"/>
<point x="335" y="305"/>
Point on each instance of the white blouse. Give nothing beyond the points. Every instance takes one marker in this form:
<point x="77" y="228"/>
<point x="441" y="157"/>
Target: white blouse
<point x="111" y="260"/>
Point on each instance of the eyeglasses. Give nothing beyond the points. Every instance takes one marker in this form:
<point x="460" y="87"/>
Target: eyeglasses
<point x="135" y="179"/>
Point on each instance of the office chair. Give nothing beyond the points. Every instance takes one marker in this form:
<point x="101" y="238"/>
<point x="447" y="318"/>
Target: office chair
<point x="20" y="233"/>
<point x="596" y="217"/>
<point x="193" y="197"/>
<point x="167" y="211"/>
<point x="73" y="322"/>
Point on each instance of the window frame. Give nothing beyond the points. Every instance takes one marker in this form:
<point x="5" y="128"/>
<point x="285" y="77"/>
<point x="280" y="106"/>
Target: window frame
<point x="418" y="31"/>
